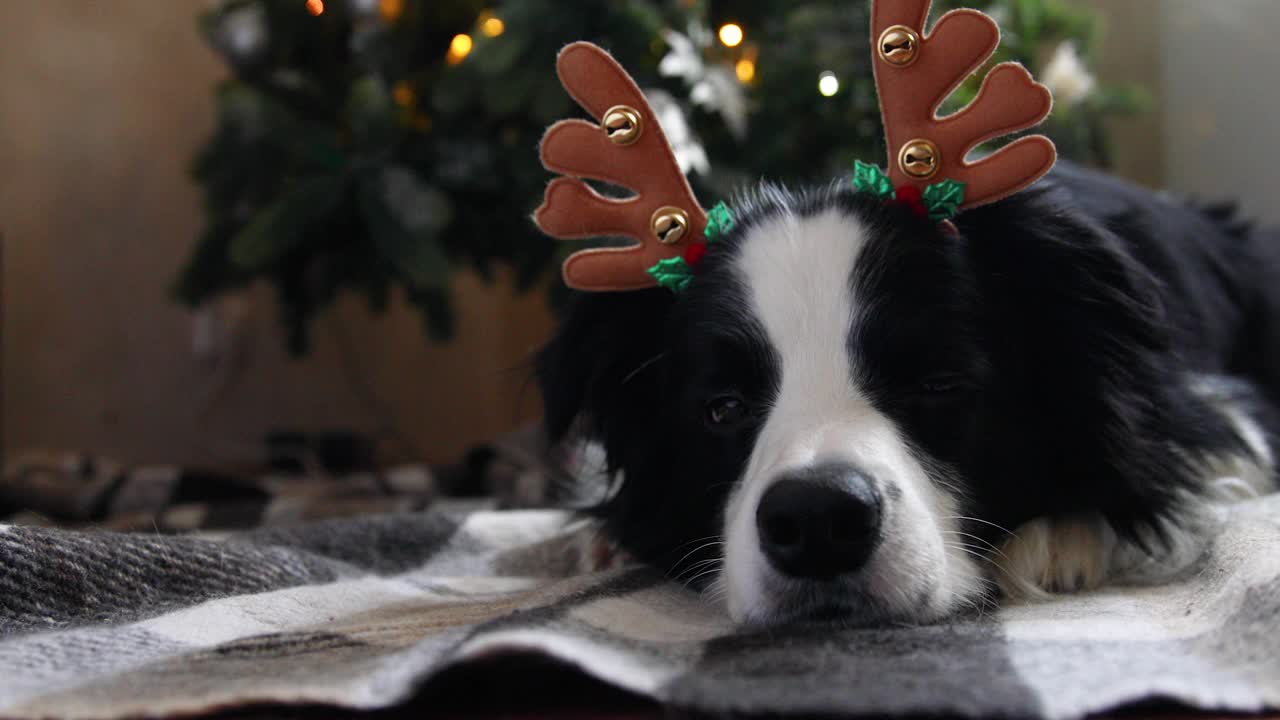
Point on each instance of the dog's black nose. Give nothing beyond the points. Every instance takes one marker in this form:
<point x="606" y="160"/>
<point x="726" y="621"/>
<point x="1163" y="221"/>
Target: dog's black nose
<point x="819" y="522"/>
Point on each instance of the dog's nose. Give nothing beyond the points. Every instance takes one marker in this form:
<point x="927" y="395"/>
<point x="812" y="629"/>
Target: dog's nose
<point x="819" y="522"/>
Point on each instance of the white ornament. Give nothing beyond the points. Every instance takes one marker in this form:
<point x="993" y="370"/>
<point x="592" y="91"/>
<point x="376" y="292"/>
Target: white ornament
<point x="416" y="205"/>
<point x="690" y="155"/>
<point x="243" y="32"/>
<point x="721" y="91"/>
<point x="1067" y="77"/>
<point x="714" y="87"/>
<point x="684" y="60"/>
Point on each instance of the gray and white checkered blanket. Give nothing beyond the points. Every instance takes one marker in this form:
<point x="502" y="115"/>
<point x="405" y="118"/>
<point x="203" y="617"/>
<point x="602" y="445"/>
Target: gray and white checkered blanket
<point x="359" y="613"/>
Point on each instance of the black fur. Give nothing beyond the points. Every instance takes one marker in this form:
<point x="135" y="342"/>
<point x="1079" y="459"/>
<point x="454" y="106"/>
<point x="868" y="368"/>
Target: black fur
<point x="1043" y="358"/>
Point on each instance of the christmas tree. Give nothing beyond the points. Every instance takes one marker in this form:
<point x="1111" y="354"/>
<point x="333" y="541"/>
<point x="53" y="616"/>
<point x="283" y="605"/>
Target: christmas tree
<point x="369" y="145"/>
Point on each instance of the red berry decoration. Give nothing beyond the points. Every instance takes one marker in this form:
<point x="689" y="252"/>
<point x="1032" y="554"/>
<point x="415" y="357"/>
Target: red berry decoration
<point x="912" y="197"/>
<point x="693" y="254"/>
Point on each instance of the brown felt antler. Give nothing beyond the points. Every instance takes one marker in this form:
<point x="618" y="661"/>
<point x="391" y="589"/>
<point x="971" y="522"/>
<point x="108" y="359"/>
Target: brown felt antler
<point x="915" y="73"/>
<point x="626" y="148"/>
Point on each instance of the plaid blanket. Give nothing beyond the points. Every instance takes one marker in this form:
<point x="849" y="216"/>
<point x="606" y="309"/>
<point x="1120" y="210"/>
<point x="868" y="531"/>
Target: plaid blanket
<point x="361" y="613"/>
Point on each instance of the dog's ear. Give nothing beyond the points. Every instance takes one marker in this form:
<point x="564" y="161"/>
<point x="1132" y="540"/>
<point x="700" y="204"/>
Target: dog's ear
<point x="599" y="372"/>
<point x="1105" y="407"/>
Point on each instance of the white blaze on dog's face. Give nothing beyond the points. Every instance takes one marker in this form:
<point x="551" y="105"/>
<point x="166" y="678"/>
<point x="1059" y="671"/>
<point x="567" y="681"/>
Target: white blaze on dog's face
<point x="835" y="513"/>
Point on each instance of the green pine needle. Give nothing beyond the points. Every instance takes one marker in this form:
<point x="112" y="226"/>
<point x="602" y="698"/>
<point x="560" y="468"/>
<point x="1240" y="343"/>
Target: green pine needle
<point x="944" y="199"/>
<point x="673" y="274"/>
<point x="871" y="179"/>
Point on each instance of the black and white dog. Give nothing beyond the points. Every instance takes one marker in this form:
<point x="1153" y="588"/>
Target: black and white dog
<point x="853" y="414"/>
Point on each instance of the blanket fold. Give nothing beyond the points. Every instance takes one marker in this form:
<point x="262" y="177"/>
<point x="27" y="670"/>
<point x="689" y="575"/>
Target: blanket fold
<point x="360" y="613"/>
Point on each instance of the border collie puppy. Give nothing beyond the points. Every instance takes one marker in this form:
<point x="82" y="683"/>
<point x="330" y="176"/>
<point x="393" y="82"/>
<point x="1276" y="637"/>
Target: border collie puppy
<point x="852" y="413"/>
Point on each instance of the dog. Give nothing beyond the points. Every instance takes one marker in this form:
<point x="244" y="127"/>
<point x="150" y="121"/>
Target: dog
<point x="856" y="414"/>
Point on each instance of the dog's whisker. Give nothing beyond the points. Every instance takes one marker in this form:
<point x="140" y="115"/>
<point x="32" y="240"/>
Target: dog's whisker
<point x="714" y="589"/>
<point x="994" y="548"/>
<point x="697" y="566"/>
<point x="704" y="538"/>
<point x="1001" y="528"/>
<point x="987" y="597"/>
<point x="713" y="543"/>
<point x="977" y="553"/>
<point x="702" y="574"/>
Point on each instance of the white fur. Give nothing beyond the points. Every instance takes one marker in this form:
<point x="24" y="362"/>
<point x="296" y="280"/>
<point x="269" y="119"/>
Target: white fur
<point x="798" y="271"/>
<point x="1050" y="555"/>
<point x="1076" y="553"/>
<point x="1238" y="477"/>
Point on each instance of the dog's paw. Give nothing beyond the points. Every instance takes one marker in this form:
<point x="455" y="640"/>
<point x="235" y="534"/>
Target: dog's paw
<point x="1056" y="555"/>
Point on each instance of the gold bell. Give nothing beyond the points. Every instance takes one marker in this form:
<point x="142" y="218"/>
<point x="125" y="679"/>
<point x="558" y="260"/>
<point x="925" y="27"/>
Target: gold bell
<point x="670" y="225"/>
<point x="622" y="125"/>
<point x="919" y="159"/>
<point x="899" y="45"/>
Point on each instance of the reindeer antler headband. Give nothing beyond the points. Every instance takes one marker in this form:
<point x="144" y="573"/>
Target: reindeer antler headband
<point x="928" y="169"/>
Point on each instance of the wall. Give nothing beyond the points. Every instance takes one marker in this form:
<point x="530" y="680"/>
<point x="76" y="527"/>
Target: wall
<point x="1211" y="69"/>
<point x="101" y="106"/>
<point x="1220" y="64"/>
<point x="1131" y="55"/>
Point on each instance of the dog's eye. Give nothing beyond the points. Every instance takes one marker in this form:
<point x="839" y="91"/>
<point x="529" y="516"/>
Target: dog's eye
<point x="726" y="411"/>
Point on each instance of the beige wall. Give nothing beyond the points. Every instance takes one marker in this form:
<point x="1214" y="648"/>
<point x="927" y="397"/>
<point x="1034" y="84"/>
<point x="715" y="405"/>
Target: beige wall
<point x="1220" y="62"/>
<point x="1131" y="54"/>
<point x="101" y="107"/>
<point x="1211" y="69"/>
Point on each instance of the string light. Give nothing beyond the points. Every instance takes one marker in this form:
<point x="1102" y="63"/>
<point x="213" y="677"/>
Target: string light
<point x="459" y="48"/>
<point x="404" y="95"/>
<point x="828" y="84"/>
<point x="745" y="67"/>
<point x="731" y="34"/>
<point x="315" y="7"/>
<point x="391" y="10"/>
<point x="491" y="25"/>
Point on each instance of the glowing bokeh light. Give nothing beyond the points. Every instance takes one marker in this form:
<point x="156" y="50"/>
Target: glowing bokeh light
<point x="491" y="25"/>
<point x="731" y="34"/>
<point x="459" y="48"/>
<point x="391" y="10"/>
<point x="828" y="84"/>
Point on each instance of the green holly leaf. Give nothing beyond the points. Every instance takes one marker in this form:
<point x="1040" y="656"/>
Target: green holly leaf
<point x="719" y="222"/>
<point x="871" y="179"/>
<point x="673" y="274"/>
<point x="944" y="199"/>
